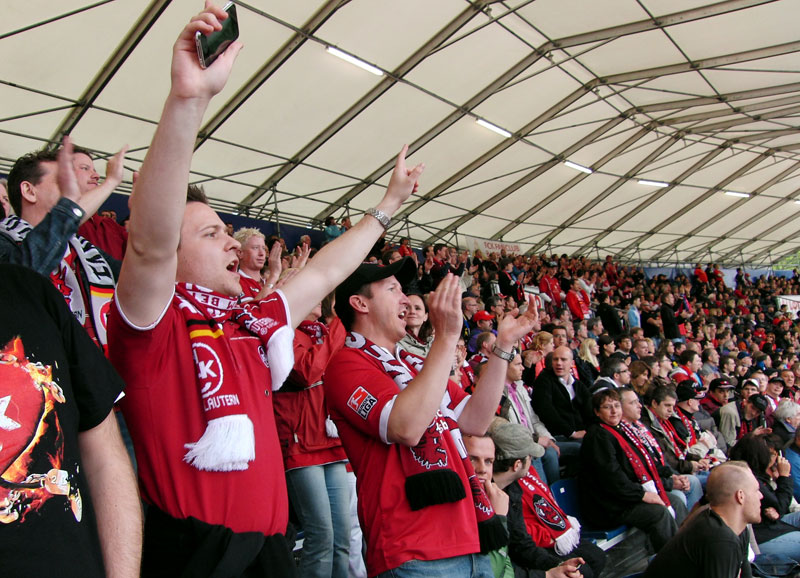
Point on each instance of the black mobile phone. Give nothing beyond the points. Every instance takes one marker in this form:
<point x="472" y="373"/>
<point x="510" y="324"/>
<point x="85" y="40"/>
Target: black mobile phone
<point x="211" y="46"/>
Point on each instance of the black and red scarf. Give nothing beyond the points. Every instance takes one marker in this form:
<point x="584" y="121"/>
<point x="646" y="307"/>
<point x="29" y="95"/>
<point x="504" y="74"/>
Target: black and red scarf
<point x="228" y="442"/>
<point x="545" y="521"/>
<point x="430" y="478"/>
<point x="644" y="467"/>
<point x="679" y="444"/>
<point x="689" y="424"/>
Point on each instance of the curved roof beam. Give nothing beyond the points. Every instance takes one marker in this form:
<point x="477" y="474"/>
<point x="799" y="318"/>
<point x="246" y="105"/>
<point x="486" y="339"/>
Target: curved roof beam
<point x="745" y="56"/>
<point x="765" y="186"/>
<point x="124" y="49"/>
<point x="668" y="142"/>
<point x="709" y="193"/>
<point x="386" y="82"/>
<point x="566" y="42"/>
<point x="704" y="160"/>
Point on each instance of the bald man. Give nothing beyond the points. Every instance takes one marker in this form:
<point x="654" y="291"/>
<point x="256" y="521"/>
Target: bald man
<point x="714" y="542"/>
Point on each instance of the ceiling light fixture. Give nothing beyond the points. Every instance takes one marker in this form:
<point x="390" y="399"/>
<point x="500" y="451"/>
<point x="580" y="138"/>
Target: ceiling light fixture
<point x="653" y="183"/>
<point x="501" y="131"/>
<point x="578" y="167"/>
<point x="735" y="194"/>
<point x="353" y="60"/>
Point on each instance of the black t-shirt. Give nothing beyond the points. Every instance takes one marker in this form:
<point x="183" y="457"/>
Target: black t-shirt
<point x="705" y="547"/>
<point x="54" y="383"/>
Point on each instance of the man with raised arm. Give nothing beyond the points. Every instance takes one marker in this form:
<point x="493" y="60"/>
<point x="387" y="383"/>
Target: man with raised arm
<point x="200" y="367"/>
<point x="422" y="508"/>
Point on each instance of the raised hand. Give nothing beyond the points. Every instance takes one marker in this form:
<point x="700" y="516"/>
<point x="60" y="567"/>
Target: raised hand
<point x="299" y="261"/>
<point x="403" y="181"/>
<point x="444" y="308"/>
<point x="114" y="168"/>
<point x="189" y="80"/>
<point x="66" y="179"/>
<point x="513" y="327"/>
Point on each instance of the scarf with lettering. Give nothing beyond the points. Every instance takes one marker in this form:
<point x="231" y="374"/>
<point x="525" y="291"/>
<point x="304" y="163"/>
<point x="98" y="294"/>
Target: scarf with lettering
<point x="430" y="478"/>
<point x="547" y="524"/>
<point x="643" y="464"/>
<point x="89" y="301"/>
<point x="228" y="442"/>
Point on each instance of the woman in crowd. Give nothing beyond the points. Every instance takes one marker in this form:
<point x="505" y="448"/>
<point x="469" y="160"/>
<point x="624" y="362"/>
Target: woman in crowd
<point x="620" y="481"/>
<point x="587" y="356"/>
<point x="640" y="378"/>
<point x="607" y="347"/>
<point x="418" y="337"/>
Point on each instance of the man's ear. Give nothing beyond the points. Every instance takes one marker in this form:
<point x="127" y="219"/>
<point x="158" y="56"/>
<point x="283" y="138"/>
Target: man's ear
<point x="359" y="304"/>
<point x="28" y="192"/>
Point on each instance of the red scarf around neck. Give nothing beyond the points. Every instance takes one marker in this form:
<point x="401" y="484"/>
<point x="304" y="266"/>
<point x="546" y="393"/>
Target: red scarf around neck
<point x="644" y="467"/>
<point x="430" y="478"/>
<point x="547" y="524"/>
<point x="228" y="442"/>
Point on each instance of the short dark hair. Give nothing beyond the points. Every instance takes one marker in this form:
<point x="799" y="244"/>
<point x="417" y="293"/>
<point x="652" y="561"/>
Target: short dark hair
<point x="346" y="314"/>
<point x="611" y="366"/>
<point x="687" y="356"/>
<point x="661" y="393"/>
<point x="196" y="194"/>
<point x="602" y="395"/>
<point x="27" y="168"/>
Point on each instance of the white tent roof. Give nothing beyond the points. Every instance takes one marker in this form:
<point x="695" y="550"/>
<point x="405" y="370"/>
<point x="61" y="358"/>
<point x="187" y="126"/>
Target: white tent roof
<point x="704" y="97"/>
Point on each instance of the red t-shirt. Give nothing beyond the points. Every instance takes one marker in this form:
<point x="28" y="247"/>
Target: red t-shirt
<point x="250" y="287"/>
<point x="163" y="411"/>
<point x="360" y="398"/>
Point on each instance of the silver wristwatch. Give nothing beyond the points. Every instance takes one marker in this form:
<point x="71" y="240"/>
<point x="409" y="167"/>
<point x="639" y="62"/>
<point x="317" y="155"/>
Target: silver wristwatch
<point x="504" y="355"/>
<point x="382" y="217"/>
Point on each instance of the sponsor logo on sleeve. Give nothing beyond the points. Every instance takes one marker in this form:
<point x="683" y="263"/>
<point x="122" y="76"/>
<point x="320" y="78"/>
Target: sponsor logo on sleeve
<point x="362" y="402"/>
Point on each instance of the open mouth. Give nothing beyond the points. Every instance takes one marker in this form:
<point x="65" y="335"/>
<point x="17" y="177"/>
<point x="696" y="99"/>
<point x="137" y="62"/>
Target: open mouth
<point x="233" y="266"/>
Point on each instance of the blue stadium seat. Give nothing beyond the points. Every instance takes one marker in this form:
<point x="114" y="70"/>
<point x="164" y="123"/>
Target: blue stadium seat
<point x="566" y="494"/>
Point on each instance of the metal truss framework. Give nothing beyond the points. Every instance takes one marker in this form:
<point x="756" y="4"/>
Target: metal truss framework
<point x="648" y="117"/>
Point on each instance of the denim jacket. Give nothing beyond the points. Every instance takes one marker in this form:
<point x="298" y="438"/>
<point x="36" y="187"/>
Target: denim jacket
<point x="44" y="246"/>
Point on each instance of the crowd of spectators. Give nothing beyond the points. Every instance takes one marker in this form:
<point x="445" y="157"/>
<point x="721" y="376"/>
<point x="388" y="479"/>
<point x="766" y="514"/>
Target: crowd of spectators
<point x="638" y="389"/>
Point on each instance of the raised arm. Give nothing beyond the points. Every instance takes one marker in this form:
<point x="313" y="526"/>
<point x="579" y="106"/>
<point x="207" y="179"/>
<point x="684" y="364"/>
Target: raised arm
<point x="480" y="409"/>
<point x="92" y="200"/>
<point x="148" y="271"/>
<point x="336" y="260"/>
<point x="415" y="407"/>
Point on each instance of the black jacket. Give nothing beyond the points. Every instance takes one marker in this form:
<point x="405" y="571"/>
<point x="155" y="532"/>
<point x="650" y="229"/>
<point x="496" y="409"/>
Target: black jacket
<point x="551" y="402"/>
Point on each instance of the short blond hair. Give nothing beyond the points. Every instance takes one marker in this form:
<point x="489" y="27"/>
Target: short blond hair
<point x="243" y="235"/>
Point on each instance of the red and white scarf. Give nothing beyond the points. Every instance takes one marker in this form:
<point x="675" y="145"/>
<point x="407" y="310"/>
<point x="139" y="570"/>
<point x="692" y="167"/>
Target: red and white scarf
<point x="228" y="442"/>
<point x="547" y="524"/>
<point x="430" y="478"/>
<point x="643" y="464"/>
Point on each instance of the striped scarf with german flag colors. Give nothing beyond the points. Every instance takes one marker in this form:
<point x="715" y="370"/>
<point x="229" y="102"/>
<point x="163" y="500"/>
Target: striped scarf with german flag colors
<point x="228" y="442"/>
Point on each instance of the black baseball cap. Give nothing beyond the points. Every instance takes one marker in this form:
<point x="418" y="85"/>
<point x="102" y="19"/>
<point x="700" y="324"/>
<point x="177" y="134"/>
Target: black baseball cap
<point x="404" y="270"/>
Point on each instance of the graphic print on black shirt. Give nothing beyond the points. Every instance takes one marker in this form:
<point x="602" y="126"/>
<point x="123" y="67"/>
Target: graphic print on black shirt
<point x="32" y="465"/>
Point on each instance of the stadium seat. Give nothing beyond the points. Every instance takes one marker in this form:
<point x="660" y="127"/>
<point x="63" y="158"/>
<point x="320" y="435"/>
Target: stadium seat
<point x="566" y="494"/>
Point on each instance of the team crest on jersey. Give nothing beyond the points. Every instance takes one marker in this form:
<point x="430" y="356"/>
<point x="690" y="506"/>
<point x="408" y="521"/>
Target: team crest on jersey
<point x="362" y="402"/>
<point x="209" y="369"/>
<point x="548" y="514"/>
